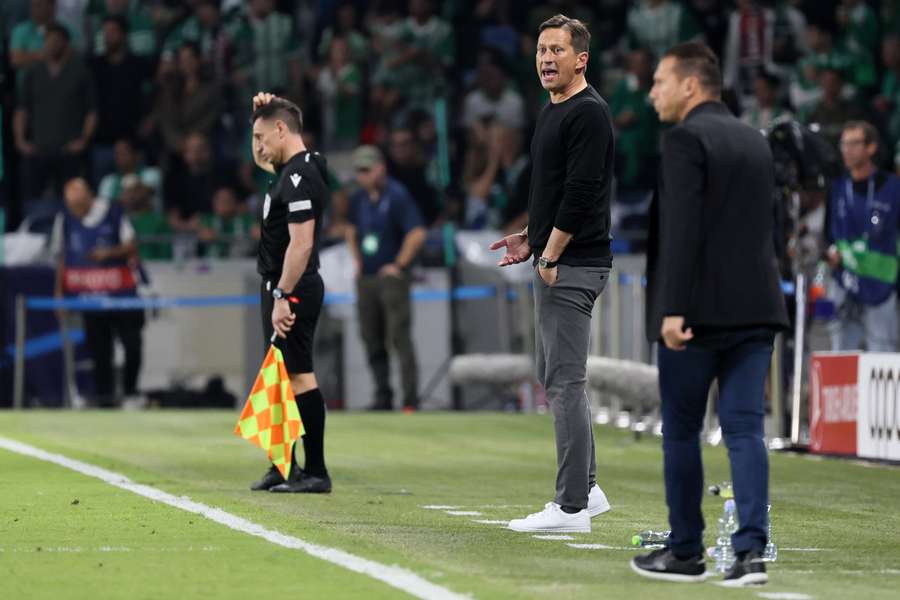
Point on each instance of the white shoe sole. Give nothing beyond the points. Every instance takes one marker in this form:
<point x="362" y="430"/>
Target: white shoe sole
<point x="672" y="577"/>
<point x="750" y="579"/>
<point x="560" y="529"/>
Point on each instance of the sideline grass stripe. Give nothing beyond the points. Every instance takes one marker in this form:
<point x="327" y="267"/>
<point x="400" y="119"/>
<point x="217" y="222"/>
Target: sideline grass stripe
<point x="395" y="576"/>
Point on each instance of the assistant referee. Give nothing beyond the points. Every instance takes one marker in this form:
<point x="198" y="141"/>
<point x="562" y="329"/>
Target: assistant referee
<point x="292" y="289"/>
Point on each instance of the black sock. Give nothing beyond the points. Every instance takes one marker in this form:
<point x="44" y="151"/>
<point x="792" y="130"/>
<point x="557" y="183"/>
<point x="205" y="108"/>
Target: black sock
<point x="312" y="411"/>
<point x="570" y="510"/>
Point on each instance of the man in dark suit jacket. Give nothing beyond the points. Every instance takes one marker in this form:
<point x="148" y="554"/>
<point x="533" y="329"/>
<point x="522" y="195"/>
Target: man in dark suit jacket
<point x="715" y="301"/>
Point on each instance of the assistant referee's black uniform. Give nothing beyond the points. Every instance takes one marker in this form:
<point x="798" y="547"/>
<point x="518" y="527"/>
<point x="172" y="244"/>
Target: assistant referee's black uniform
<point x="296" y="195"/>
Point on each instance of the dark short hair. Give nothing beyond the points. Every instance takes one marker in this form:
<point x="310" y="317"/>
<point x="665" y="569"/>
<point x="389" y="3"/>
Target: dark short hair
<point x="581" y="37"/>
<point x="59" y="28"/>
<point x="870" y="134"/>
<point x="695" y="59"/>
<point x="283" y="110"/>
<point x="118" y="20"/>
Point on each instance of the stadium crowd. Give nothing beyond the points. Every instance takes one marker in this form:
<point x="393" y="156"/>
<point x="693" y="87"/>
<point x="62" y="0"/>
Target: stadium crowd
<point x="149" y="99"/>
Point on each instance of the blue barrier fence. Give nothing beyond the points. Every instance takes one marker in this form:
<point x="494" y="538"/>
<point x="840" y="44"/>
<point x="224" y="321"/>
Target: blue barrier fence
<point x="144" y="302"/>
<point x="472" y="292"/>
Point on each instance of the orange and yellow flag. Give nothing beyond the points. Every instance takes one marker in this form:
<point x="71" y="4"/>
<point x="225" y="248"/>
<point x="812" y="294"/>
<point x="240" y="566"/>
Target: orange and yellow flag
<point x="270" y="418"/>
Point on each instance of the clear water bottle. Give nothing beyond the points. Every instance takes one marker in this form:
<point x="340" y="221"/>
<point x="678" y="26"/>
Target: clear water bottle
<point x="770" y="554"/>
<point x="651" y="539"/>
<point x="724" y="552"/>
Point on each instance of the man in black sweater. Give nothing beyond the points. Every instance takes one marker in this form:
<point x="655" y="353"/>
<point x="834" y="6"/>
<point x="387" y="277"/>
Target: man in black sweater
<point x="568" y="234"/>
<point x="714" y="300"/>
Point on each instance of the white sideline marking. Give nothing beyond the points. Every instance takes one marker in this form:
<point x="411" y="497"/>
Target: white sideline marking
<point x="553" y="537"/>
<point x="78" y="549"/>
<point x="463" y="513"/>
<point x="600" y="547"/>
<point x="392" y="575"/>
<point x="490" y="522"/>
<point x="784" y="596"/>
<point x="440" y="507"/>
<point x="805" y="549"/>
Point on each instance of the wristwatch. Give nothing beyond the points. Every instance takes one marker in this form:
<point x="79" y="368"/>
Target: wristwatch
<point x="546" y="263"/>
<point x="278" y="293"/>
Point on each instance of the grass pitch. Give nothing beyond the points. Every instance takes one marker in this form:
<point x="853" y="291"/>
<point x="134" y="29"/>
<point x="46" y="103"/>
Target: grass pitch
<point x="67" y="536"/>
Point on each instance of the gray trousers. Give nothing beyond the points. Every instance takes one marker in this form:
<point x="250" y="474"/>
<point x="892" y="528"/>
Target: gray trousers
<point x="385" y="319"/>
<point x="562" y="340"/>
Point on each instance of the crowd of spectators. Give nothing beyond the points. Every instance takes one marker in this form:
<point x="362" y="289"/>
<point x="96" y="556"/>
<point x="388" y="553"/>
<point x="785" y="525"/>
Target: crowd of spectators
<point x="149" y="99"/>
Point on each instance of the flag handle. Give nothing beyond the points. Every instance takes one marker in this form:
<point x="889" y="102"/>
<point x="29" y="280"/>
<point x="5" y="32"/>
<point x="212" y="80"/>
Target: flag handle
<point x="274" y="337"/>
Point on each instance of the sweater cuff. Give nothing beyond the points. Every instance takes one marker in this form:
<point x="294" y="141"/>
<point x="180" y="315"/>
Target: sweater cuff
<point x="568" y="223"/>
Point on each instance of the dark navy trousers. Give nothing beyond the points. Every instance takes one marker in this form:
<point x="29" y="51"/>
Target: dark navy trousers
<point x="740" y="361"/>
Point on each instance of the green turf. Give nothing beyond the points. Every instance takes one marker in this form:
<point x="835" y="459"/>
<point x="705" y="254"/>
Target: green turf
<point x="385" y="468"/>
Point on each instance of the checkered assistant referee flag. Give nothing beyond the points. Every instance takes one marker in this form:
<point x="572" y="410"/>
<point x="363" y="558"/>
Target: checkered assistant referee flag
<point x="270" y="418"/>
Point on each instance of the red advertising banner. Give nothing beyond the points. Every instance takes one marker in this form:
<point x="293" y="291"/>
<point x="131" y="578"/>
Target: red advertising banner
<point x="97" y="280"/>
<point x="833" y="402"/>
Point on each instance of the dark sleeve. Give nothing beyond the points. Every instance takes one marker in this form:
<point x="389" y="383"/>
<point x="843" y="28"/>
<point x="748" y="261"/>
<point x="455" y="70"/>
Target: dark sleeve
<point x="171" y="189"/>
<point x="26" y="101"/>
<point x="90" y="90"/>
<point x="680" y="217"/>
<point x="352" y="212"/>
<point x="586" y="138"/>
<point x="299" y="196"/>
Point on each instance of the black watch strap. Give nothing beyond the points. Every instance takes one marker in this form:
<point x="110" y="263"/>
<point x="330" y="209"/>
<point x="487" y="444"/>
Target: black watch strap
<point x="545" y="263"/>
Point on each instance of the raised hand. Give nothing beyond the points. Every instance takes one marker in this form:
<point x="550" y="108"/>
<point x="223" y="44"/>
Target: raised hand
<point x="517" y="249"/>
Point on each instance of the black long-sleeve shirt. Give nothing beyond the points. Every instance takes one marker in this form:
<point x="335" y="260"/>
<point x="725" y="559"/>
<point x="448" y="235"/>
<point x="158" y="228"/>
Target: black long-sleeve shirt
<point x="571" y="180"/>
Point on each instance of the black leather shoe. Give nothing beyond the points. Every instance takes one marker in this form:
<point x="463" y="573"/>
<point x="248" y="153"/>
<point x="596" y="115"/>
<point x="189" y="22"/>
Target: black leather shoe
<point x="748" y="569"/>
<point x="271" y="478"/>
<point x="663" y="564"/>
<point x="305" y="484"/>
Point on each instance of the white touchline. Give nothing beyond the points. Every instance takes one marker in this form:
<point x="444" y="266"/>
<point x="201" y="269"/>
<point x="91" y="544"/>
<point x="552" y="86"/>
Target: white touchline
<point x="463" y="513"/>
<point x="600" y="547"/>
<point x="553" y="537"/>
<point x="392" y="575"/>
<point x="490" y="522"/>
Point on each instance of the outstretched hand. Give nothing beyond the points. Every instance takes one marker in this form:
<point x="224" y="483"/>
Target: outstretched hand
<point x="517" y="249"/>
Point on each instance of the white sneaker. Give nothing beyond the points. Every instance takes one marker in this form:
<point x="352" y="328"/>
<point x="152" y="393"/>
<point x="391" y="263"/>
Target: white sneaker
<point x="597" y="502"/>
<point x="553" y="519"/>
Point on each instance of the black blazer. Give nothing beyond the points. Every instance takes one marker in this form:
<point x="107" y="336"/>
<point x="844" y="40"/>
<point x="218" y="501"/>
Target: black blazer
<point x="711" y="252"/>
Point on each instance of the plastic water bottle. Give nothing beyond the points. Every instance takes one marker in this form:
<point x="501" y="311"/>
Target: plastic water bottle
<point x="651" y="539"/>
<point x="770" y="554"/>
<point x="724" y="552"/>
